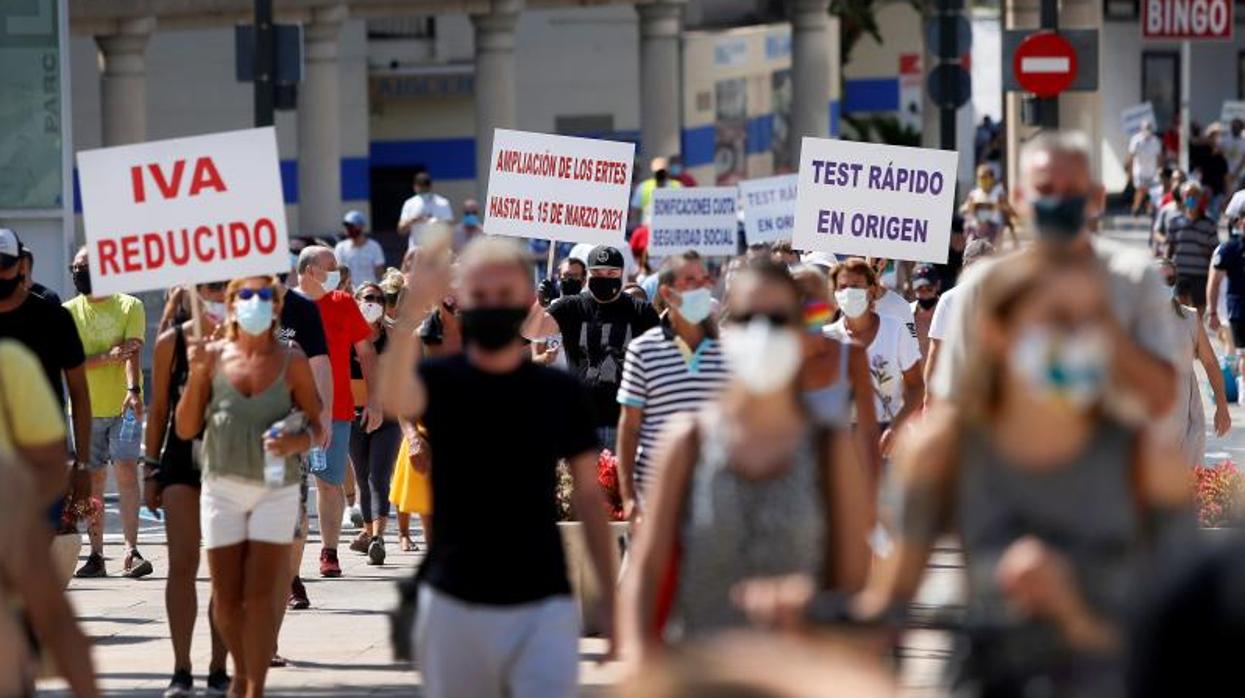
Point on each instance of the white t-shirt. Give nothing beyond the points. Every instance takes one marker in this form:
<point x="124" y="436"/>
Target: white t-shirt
<point x="893" y="350"/>
<point x="1233" y="148"/>
<point x="893" y="305"/>
<point x="426" y="204"/>
<point x="940" y="324"/>
<point x="1146" y="151"/>
<point x="991" y="212"/>
<point x="361" y="260"/>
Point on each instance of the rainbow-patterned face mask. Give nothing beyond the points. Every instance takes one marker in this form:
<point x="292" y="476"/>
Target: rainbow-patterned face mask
<point x="817" y="314"/>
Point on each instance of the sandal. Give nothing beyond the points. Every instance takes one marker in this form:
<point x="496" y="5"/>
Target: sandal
<point x="406" y="545"/>
<point x="278" y="661"/>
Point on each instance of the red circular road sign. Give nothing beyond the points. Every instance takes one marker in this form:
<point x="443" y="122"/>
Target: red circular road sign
<point x="1045" y="64"/>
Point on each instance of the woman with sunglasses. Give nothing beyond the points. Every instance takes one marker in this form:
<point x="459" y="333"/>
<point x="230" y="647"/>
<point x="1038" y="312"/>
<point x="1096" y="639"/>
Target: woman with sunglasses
<point x="750" y="486"/>
<point x="238" y="388"/>
<point x="372" y="454"/>
<point x="171" y="480"/>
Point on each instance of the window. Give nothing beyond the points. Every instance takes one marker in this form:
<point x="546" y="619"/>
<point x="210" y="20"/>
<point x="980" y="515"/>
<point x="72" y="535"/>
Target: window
<point x="416" y="27"/>
<point x="1160" y="84"/>
<point x="1121" y="9"/>
<point x="592" y="125"/>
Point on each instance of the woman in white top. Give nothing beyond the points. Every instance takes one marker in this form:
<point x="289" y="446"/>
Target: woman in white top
<point x="986" y="211"/>
<point x="894" y="356"/>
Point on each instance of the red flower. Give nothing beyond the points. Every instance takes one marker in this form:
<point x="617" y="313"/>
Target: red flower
<point x="1217" y="491"/>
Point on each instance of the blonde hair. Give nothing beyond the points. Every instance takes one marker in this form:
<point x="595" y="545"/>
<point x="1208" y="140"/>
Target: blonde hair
<point x="231" y="293"/>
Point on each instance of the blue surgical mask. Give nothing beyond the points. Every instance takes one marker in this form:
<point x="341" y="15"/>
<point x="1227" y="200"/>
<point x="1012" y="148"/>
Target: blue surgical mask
<point x="1191" y="202"/>
<point x="332" y="280"/>
<point x="695" y="305"/>
<point x="1059" y="218"/>
<point x="254" y="315"/>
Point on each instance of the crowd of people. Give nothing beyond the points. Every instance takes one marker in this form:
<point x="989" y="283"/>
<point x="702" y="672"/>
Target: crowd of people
<point x="793" y="434"/>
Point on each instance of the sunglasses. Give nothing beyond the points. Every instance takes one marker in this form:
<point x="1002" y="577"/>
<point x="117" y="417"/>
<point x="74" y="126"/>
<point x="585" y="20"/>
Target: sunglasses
<point x="391" y="298"/>
<point x="246" y="294"/>
<point x="372" y="298"/>
<point x="776" y="319"/>
<point x="8" y="261"/>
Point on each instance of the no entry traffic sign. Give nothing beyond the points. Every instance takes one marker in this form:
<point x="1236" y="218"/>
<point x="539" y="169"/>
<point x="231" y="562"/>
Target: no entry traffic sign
<point x="1186" y="19"/>
<point x="1045" y="64"/>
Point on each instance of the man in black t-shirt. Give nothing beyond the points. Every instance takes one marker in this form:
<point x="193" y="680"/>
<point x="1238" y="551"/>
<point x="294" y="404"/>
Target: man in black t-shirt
<point x="495" y="611"/>
<point x="596" y="328"/>
<point x="48" y="330"/>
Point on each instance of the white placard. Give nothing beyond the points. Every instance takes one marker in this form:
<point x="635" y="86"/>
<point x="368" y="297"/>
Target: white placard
<point x="560" y="187"/>
<point x="186" y="210"/>
<point x="874" y="200"/>
<point x="769" y="207"/>
<point x="1134" y="116"/>
<point x="694" y="218"/>
<point x="1232" y="109"/>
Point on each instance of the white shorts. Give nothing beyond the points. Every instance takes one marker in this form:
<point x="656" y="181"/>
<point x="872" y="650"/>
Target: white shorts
<point x="232" y="510"/>
<point x="528" y="650"/>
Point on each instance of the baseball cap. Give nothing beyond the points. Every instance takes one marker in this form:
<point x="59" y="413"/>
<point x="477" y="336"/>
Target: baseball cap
<point x="639" y="240"/>
<point x="924" y="275"/>
<point x="354" y="218"/>
<point x="605" y="256"/>
<point x="822" y="260"/>
<point x="471" y="220"/>
<point x="10" y="248"/>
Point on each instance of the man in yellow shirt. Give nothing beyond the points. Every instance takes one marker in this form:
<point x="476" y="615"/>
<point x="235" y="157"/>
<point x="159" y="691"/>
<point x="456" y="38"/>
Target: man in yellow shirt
<point x="642" y="198"/>
<point x="112" y="330"/>
<point x="32" y="426"/>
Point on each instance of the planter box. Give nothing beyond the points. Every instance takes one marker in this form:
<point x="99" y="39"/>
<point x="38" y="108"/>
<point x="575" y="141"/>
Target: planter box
<point x="579" y="569"/>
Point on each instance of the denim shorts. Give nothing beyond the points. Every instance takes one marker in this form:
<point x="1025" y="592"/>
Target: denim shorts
<point x="107" y="443"/>
<point x="337" y="454"/>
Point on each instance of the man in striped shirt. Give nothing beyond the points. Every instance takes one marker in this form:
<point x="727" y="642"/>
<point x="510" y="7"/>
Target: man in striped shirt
<point x="672" y="369"/>
<point x="1192" y="238"/>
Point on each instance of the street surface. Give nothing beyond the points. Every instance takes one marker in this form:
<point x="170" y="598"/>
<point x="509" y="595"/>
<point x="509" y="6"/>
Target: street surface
<point x="340" y="646"/>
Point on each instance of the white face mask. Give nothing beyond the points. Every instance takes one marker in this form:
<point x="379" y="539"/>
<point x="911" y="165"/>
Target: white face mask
<point x="763" y="357"/>
<point x="1069" y="368"/>
<point x="332" y="280"/>
<point x="854" y="302"/>
<point x="695" y="305"/>
<point x="214" y="310"/>
<point x="371" y="311"/>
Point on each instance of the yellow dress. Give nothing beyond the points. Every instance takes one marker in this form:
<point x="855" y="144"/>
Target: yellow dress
<point x="409" y="490"/>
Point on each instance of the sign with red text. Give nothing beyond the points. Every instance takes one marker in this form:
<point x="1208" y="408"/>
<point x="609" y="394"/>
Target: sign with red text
<point x="558" y="187"/>
<point x="183" y="211"/>
<point x="1186" y="19"/>
<point x="874" y="200"/>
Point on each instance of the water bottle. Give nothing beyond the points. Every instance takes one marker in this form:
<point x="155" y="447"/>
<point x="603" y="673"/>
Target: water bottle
<point x="317" y="462"/>
<point x="128" y="432"/>
<point x="274" y="465"/>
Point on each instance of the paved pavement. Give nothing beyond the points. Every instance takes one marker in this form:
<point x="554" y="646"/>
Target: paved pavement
<point x="340" y="646"/>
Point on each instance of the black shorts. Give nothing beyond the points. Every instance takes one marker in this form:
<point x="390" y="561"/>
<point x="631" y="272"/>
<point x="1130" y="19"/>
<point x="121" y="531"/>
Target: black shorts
<point x="1195" y="286"/>
<point x="1238" y="335"/>
<point x="177" y="465"/>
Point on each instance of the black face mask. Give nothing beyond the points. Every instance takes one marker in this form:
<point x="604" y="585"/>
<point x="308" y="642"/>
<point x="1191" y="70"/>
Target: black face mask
<point x="491" y="328"/>
<point x="82" y="281"/>
<point x="1059" y="219"/>
<point x="604" y="288"/>
<point x="927" y="303"/>
<point x="9" y="286"/>
<point x="572" y="286"/>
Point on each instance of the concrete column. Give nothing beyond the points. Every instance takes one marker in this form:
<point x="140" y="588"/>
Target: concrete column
<point x="123" y="84"/>
<point x="319" y="116"/>
<point x="661" y="68"/>
<point x="495" y="79"/>
<point x="810" y="67"/>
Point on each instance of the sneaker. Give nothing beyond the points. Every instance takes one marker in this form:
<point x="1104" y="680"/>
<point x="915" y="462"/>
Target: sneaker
<point x="356" y="516"/>
<point x="298" y="600"/>
<point x="361" y="543"/>
<point x="376" y="552"/>
<point x="329" y="567"/>
<point x="217" y="683"/>
<point x="93" y="567"/>
<point x="136" y="566"/>
<point x="181" y="686"/>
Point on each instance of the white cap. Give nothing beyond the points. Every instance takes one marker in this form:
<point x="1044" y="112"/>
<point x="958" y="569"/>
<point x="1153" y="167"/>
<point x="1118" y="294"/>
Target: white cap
<point x="9" y="243"/>
<point x="825" y="260"/>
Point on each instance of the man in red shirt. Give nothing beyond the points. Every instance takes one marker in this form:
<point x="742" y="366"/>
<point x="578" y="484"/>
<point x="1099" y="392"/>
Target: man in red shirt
<point x="344" y="328"/>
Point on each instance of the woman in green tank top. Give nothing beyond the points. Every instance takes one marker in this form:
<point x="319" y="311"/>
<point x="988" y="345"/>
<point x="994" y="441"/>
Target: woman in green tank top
<point x="236" y="390"/>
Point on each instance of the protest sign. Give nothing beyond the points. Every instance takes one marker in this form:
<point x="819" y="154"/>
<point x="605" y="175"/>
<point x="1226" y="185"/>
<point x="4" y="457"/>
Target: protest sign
<point x="183" y="211"/>
<point x="1133" y="117"/>
<point x="874" y="200"/>
<point x="695" y="218"/>
<point x="1232" y="110"/>
<point x="558" y="187"/>
<point x="769" y="208"/>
